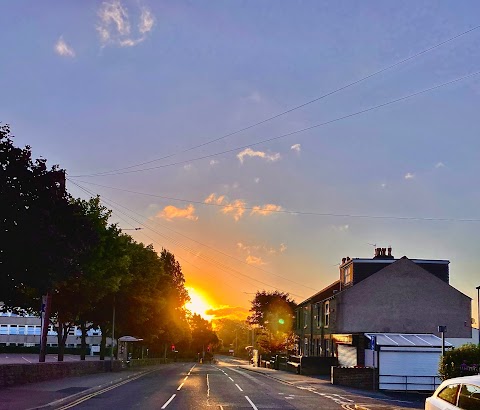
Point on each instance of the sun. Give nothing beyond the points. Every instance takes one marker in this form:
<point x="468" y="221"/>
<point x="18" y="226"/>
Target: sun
<point x="198" y="303"/>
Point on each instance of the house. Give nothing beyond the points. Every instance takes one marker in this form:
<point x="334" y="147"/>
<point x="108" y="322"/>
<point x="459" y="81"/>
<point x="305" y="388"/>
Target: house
<point x="393" y="300"/>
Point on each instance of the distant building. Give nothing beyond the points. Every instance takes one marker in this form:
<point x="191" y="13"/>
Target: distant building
<point x="25" y="331"/>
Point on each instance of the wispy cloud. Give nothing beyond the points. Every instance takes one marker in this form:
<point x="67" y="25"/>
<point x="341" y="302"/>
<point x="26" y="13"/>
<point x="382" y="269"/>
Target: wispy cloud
<point x="296" y="147"/>
<point x="383" y="185"/>
<point x="266" y="209"/>
<point x="255" y="96"/>
<point x="187" y="167"/>
<point x="231" y="312"/>
<point x="213" y="162"/>
<point x="172" y="212"/>
<point x="235" y="208"/>
<point x="63" y="49"/>
<point x="439" y="165"/>
<point x="409" y="175"/>
<point x="254" y="260"/>
<point x="214" y="199"/>
<point x="261" y="248"/>
<point x="114" y="26"/>
<point x="248" y="152"/>
<point x="257" y="180"/>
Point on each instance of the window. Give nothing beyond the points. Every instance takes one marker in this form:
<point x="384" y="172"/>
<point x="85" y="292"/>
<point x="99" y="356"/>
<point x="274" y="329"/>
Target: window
<point x="21" y="329"/>
<point x="14" y="329"/>
<point x="327" y="314"/>
<point x="3" y="329"/>
<point x="319" y="314"/>
<point x="469" y="398"/>
<point x="305" y="317"/>
<point x="347" y="275"/>
<point x="449" y="393"/>
<point x="30" y="330"/>
<point x="71" y="331"/>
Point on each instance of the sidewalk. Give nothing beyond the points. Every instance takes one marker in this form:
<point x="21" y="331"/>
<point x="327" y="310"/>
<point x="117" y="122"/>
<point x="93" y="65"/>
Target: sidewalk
<point x="51" y="394"/>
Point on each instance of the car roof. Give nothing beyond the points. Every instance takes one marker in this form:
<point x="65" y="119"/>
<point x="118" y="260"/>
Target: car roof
<point x="465" y="379"/>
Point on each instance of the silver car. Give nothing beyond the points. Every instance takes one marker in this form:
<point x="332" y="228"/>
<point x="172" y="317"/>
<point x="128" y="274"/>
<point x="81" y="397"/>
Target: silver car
<point x="457" y="393"/>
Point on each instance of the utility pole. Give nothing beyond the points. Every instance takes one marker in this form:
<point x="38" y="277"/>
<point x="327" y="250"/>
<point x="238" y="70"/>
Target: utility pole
<point x="478" y="314"/>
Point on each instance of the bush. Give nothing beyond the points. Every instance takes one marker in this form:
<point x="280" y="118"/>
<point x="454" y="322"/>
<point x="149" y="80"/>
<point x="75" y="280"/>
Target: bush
<point x="464" y="361"/>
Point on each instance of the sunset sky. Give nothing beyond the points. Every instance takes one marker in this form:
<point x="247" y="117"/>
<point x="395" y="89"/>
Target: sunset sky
<point x="156" y="105"/>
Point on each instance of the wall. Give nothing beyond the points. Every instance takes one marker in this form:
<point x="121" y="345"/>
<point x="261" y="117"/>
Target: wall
<point x="361" y="378"/>
<point x="403" y="298"/>
<point x="19" y="373"/>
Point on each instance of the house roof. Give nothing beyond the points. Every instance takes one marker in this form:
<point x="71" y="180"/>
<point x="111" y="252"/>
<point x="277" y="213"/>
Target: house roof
<point x="323" y="294"/>
<point x="407" y="340"/>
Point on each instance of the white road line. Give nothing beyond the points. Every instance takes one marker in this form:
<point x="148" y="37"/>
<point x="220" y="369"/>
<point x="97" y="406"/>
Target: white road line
<point x="28" y="361"/>
<point x="186" y="377"/>
<point x="230" y="378"/>
<point x="179" y="387"/>
<point x="168" y="402"/>
<point x="251" y="403"/>
<point x="239" y="388"/>
<point x="208" y="387"/>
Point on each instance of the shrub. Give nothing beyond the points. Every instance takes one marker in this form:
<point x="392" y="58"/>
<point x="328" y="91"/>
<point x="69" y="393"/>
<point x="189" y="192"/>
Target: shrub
<point x="464" y="361"/>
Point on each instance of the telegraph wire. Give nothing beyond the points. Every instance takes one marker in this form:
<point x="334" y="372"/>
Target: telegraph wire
<point x="213" y="261"/>
<point x="284" y="211"/>
<point x="278" y="137"/>
<point x="351" y="84"/>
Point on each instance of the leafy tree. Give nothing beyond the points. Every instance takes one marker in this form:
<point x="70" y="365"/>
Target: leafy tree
<point x="273" y="312"/>
<point x="463" y="361"/>
<point x="233" y="333"/>
<point x="203" y="335"/>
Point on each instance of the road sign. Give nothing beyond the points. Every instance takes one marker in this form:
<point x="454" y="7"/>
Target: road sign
<point x="373" y="342"/>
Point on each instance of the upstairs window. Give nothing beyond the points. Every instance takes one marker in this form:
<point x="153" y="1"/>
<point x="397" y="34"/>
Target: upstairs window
<point x="326" y="314"/>
<point x="319" y="314"/>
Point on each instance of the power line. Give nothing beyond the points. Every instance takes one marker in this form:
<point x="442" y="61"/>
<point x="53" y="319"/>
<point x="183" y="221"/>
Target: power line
<point x="351" y="84"/>
<point x="283" y="211"/>
<point x="354" y="114"/>
<point x="213" y="261"/>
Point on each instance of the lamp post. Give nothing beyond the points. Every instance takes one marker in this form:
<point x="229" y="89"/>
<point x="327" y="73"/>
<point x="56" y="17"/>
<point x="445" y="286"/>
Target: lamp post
<point x="478" y="313"/>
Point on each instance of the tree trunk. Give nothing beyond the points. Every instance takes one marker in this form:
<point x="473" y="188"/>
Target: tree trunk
<point x="83" y="348"/>
<point x="103" y="342"/>
<point x="61" y="345"/>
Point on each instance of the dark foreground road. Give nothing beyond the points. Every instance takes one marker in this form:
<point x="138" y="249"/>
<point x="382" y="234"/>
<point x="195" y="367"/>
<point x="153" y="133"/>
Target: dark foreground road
<point x="225" y="385"/>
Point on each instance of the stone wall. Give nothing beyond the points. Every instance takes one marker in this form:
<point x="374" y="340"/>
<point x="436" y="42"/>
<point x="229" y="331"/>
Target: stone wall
<point x="365" y="378"/>
<point x="23" y="373"/>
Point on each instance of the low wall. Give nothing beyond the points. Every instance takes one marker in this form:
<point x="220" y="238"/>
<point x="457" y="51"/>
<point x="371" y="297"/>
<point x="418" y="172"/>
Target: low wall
<point x="365" y="378"/>
<point x="317" y="365"/>
<point x="23" y="373"/>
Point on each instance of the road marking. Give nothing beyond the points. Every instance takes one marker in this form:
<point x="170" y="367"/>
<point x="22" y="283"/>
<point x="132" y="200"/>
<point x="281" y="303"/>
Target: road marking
<point x="28" y="361"/>
<point x="208" y="387"/>
<point x="251" y="403"/>
<point x="239" y="388"/>
<point x="179" y="387"/>
<point x="230" y="378"/>
<point x="186" y="377"/>
<point x="89" y="396"/>
<point x="168" y="401"/>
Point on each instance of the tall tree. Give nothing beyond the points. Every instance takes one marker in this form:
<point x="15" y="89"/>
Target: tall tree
<point x="203" y="335"/>
<point x="273" y="313"/>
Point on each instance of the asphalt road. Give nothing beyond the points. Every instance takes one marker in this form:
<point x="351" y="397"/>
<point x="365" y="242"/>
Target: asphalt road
<point x="224" y="385"/>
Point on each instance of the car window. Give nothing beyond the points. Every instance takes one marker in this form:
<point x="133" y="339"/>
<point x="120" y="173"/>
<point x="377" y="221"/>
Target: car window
<point x="469" y="398"/>
<point x="449" y="393"/>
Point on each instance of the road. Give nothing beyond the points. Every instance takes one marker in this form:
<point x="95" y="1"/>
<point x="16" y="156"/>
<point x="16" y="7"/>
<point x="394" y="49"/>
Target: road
<point x="224" y="385"/>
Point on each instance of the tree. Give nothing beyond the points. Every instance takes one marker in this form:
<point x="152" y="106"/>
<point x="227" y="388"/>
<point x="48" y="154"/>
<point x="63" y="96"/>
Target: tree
<point x="463" y="361"/>
<point x="273" y="312"/>
<point x="203" y="336"/>
<point x="233" y="333"/>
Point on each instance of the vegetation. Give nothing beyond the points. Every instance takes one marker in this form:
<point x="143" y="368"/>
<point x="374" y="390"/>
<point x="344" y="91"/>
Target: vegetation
<point x="56" y="244"/>
<point x="273" y="314"/>
<point x="464" y="361"/>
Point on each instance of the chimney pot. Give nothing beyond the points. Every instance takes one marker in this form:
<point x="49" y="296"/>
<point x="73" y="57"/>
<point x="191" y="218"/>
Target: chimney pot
<point x="389" y="251"/>
<point x="343" y="260"/>
<point x="384" y="251"/>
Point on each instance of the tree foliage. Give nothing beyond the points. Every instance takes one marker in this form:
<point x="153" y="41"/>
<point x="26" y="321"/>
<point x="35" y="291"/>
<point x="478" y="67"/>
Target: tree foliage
<point x="463" y="361"/>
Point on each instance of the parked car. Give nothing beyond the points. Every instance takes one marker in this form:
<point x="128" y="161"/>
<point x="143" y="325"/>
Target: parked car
<point x="457" y="393"/>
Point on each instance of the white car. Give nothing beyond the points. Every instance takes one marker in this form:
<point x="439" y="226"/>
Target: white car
<point x="457" y="393"/>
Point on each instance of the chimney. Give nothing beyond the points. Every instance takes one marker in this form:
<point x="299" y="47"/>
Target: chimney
<point x="343" y="260"/>
<point x="384" y="251"/>
<point x="389" y="251"/>
<point x="377" y="252"/>
<point x="348" y="258"/>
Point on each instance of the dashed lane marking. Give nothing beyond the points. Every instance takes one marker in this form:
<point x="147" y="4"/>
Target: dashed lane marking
<point x="251" y="403"/>
<point x="168" y="402"/>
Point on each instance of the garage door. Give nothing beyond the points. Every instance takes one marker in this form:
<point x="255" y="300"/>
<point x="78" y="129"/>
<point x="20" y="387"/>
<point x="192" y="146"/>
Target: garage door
<point x="347" y="355"/>
<point x="412" y="369"/>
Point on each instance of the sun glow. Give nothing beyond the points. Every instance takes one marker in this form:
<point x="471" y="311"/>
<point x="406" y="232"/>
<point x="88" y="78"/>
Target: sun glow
<point x="198" y="303"/>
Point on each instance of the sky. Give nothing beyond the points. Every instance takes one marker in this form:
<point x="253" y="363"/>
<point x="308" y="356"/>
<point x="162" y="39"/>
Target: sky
<point x="165" y="109"/>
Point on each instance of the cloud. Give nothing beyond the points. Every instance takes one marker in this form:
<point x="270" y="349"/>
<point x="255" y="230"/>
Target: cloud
<point x="296" y="147"/>
<point x="214" y="199"/>
<point x="283" y="247"/>
<point x="255" y="96"/>
<point x="213" y="162"/>
<point x="170" y="212"/>
<point x="235" y="208"/>
<point x="261" y="248"/>
<point x="257" y="180"/>
<point x="248" y="152"/>
<point x="439" y="165"/>
<point x="187" y="167"/>
<point x="265" y="209"/>
<point x="63" y="49"/>
<point x="409" y="175"/>
<point x="254" y="260"/>
<point x="383" y="185"/>
<point x="114" y="26"/>
<point x="236" y="312"/>
<point x="341" y="228"/>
